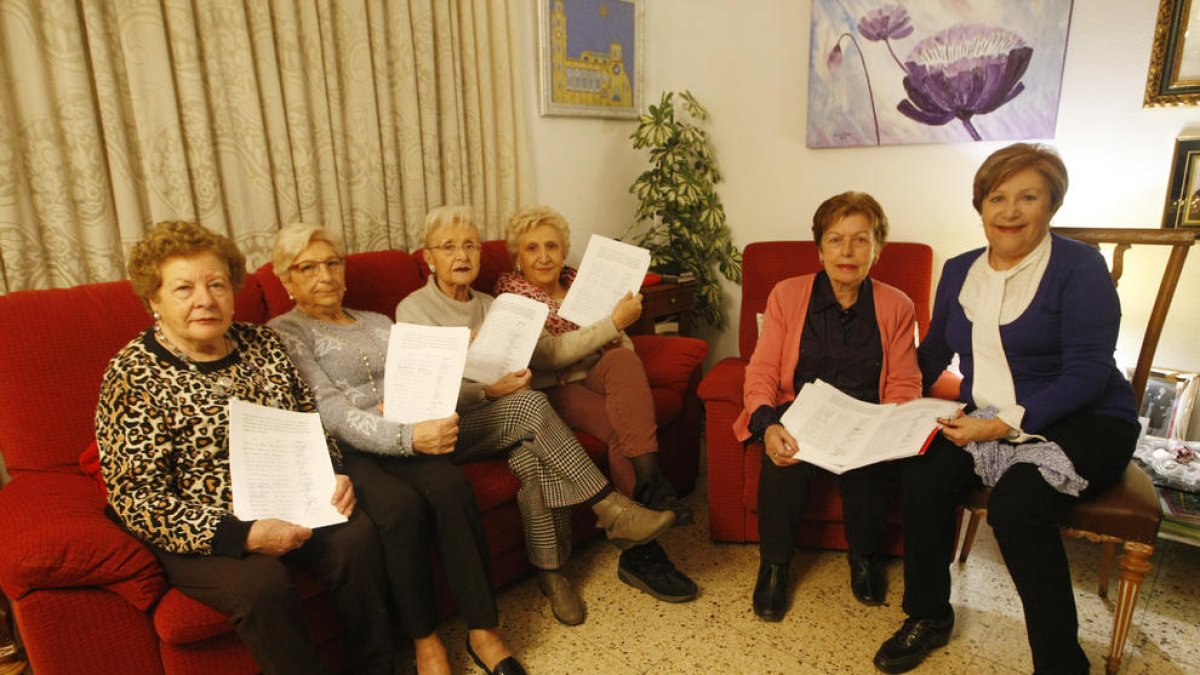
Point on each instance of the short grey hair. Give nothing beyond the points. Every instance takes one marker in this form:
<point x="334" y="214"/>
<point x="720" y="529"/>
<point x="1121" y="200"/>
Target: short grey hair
<point x="442" y="216"/>
<point x="291" y="241"/>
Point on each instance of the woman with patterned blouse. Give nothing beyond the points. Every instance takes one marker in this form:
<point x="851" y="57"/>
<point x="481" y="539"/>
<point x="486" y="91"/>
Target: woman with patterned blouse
<point x="162" y="430"/>
<point x="594" y="380"/>
<point x="407" y="481"/>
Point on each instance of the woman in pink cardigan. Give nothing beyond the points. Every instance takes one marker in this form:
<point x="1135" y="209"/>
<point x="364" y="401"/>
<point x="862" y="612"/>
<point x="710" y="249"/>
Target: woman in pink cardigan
<point x="856" y="334"/>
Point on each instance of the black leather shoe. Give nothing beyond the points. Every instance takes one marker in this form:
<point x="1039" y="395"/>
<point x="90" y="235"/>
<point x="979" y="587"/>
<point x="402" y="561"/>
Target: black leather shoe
<point x="508" y="666"/>
<point x="909" y="646"/>
<point x="867" y="579"/>
<point x="658" y="494"/>
<point x="771" y="593"/>
<point x="647" y="568"/>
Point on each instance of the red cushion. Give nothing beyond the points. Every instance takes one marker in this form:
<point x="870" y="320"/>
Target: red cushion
<point x="57" y="536"/>
<point x="669" y="360"/>
<point x="89" y="462"/>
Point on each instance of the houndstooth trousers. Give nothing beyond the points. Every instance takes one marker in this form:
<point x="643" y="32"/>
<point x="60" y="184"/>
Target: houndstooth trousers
<point x="553" y="468"/>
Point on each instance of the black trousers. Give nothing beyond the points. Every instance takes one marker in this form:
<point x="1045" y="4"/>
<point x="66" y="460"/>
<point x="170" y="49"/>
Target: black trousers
<point x="409" y="500"/>
<point x="866" y="495"/>
<point x="257" y="592"/>
<point x="1021" y="511"/>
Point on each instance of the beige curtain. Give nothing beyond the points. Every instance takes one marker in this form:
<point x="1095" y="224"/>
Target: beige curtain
<point x="245" y="116"/>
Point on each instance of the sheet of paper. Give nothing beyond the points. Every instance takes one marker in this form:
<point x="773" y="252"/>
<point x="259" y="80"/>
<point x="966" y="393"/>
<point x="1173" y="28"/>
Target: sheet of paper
<point x="424" y="371"/>
<point x="609" y="270"/>
<point x="507" y="338"/>
<point x="909" y="426"/>
<point x="280" y="466"/>
<point x="830" y="427"/>
<point x="838" y="432"/>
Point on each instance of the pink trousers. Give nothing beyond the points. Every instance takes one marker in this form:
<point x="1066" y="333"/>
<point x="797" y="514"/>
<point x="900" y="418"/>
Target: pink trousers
<point x="614" y="404"/>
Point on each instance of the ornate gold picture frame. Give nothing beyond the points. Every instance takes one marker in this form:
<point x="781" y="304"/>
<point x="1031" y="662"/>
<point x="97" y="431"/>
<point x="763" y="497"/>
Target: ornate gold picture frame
<point x="1174" y="76"/>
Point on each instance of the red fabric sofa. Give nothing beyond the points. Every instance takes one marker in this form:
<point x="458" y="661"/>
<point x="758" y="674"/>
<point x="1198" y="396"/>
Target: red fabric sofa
<point x="733" y="467"/>
<point x="88" y="597"/>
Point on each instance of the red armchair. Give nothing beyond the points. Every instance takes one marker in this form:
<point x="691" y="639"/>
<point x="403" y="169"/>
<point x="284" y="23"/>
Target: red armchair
<point x="733" y="468"/>
<point x="87" y="596"/>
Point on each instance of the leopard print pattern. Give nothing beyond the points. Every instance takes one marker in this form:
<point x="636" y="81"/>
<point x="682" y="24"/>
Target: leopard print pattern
<point x="161" y="429"/>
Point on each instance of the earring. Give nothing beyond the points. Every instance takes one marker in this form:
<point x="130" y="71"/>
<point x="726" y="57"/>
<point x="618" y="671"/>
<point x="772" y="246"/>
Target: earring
<point x="157" y="318"/>
<point x="290" y="297"/>
<point x="432" y="269"/>
<point x="518" y="268"/>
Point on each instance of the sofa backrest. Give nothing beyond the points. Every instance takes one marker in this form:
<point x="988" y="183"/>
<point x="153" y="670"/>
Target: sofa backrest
<point x="907" y="266"/>
<point x="55" y="347"/>
<point x="375" y="281"/>
<point x="56" y="344"/>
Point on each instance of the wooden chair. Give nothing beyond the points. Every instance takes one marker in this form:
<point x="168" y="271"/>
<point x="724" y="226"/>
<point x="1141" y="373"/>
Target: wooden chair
<point x="1128" y="513"/>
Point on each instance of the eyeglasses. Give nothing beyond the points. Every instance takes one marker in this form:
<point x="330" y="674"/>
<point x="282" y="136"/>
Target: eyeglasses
<point x="308" y="268"/>
<point x="449" y="248"/>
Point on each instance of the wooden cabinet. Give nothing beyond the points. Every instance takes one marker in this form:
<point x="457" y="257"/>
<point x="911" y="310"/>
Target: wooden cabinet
<point x="664" y="302"/>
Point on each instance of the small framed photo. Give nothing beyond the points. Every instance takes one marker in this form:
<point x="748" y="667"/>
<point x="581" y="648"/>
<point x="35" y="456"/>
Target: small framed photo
<point x="1168" y="401"/>
<point x="590" y="54"/>
<point x="1183" y="197"/>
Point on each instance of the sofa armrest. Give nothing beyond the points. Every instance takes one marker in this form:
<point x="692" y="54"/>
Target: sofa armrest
<point x="669" y="360"/>
<point x="54" y="534"/>
<point x="724" y="382"/>
<point x="947" y="386"/>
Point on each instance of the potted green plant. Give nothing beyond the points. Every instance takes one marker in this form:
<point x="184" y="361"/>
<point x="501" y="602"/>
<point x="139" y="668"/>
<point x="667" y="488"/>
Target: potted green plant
<point x="680" y="218"/>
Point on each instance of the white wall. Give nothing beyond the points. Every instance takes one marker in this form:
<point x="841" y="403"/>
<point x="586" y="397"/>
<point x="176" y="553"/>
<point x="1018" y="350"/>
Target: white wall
<point x="748" y="63"/>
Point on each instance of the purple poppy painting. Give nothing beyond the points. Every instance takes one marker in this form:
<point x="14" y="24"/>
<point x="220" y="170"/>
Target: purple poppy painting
<point x="934" y="71"/>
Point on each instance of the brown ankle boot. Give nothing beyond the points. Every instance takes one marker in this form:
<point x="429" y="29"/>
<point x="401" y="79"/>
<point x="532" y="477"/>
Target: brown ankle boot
<point x="628" y="523"/>
<point x="564" y="601"/>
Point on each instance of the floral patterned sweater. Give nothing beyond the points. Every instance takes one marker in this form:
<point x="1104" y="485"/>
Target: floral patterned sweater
<point x="161" y="430"/>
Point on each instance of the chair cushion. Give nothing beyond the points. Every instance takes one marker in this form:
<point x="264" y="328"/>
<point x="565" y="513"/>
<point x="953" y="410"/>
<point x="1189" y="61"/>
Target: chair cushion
<point x="68" y="542"/>
<point x="1128" y="510"/>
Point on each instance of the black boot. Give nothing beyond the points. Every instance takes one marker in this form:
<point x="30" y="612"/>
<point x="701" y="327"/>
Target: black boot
<point x="647" y="568"/>
<point x="909" y="646"/>
<point x="771" y="592"/>
<point x="657" y="493"/>
<point x="867" y="579"/>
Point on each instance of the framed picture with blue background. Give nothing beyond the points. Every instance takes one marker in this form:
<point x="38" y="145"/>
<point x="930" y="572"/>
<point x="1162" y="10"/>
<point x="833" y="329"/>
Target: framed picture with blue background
<point x="591" y="55"/>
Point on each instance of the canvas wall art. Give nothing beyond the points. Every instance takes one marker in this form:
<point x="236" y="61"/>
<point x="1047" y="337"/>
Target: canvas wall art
<point x="590" y="52"/>
<point x="934" y="71"/>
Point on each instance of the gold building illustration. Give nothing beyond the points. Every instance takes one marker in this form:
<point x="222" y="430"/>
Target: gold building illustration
<point x="594" y="78"/>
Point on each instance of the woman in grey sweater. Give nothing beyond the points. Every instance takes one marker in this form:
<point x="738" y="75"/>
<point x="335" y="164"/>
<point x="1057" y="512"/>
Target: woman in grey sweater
<point x="506" y="417"/>
<point x="405" y="477"/>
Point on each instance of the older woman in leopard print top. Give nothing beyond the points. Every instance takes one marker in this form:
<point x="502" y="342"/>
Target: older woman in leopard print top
<point x="161" y="426"/>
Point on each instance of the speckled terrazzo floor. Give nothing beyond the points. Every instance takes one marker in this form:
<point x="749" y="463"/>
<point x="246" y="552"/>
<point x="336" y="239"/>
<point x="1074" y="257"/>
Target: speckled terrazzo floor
<point x="826" y="630"/>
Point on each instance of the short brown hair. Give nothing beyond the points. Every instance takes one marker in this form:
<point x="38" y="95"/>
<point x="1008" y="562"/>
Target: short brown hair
<point x="846" y="204"/>
<point x="1003" y="163"/>
<point x="536" y="216"/>
<point x="180" y="238"/>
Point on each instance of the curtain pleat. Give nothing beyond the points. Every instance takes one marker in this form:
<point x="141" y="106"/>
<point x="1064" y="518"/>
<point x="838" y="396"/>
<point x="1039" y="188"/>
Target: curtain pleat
<point x="246" y="116"/>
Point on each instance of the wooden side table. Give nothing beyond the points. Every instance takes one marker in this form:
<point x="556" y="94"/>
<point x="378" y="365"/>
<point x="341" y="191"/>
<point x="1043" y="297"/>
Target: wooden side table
<point x="664" y="301"/>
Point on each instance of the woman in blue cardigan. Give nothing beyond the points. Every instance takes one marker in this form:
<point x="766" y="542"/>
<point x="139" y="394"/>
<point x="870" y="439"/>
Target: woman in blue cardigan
<point x="1034" y="320"/>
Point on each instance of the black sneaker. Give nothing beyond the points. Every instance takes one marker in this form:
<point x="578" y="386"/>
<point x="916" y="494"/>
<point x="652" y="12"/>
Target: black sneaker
<point x="660" y="495"/>
<point x="909" y="646"/>
<point x="647" y="568"/>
